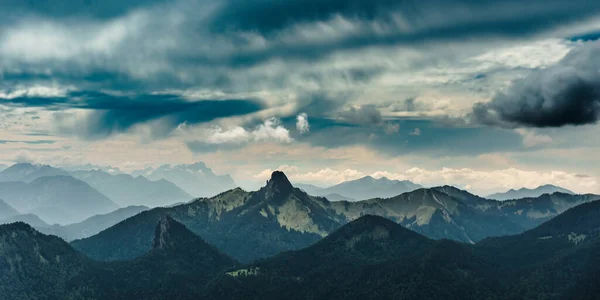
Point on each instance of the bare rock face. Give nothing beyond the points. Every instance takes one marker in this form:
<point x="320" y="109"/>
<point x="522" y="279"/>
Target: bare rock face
<point x="278" y="186"/>
<point x="162" y="236"/>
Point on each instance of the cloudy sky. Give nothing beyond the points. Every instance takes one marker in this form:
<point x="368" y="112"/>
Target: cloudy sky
<point x="486" y="95"/>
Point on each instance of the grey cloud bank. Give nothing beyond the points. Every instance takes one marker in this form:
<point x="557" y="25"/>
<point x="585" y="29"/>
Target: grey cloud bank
<point x="112" y="113"/>
<point x="567" y="93"/>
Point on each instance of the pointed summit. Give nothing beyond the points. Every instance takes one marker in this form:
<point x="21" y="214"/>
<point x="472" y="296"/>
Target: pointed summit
<point x="278" y="185"/>
<point x="170" y="233"/>
<point x="175" y="245"/>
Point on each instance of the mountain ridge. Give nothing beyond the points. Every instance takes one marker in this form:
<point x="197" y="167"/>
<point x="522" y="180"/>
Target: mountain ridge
<point x="127" y="190"/>
<point x="370" y="257"/>
<point x="244" y="225"/>
<point x="58" y="199"/>
<point x="529" y="193"/>
<point x="365" y="188"/>
<point x="279" y="217"/>
<point x="7" y="211"/>
<point x="28" y="172"/>
<point x="196" y="179"/>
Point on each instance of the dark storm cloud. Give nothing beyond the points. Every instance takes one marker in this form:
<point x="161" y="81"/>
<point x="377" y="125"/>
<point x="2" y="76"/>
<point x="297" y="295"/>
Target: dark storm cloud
<point x="441" y="141"/>
<point x="69" y="9"/>
<point x="519" y="26"/>
<point x="567" y="93"/>
<point x="586" y="37"/>
<point x="267" y="16"/>
<point x="112" y="114"/>
<point x="420" y="21"/>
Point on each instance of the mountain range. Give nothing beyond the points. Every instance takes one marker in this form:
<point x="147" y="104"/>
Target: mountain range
<point x="56" y="199"/>
<point x="528" y="193"/>
<point x="38" y="266"/>
<point x="244" y="225"/>
<point x="374" y="258"/>
<point x="127" y="190"/>
<point x="278" y="217"/>
<point x="448" y="212"/>
<point x="369" y="258"/>
<point x="6" y="210"/>
<point x="280" y="241"/>
<point x="42" y="195"/>
<point x="29" y="219"/>
<point x="196" y="179"/>
<point x="362" y="189"/>
<point x="89" y="227"/>
<point x="27" y="172"/>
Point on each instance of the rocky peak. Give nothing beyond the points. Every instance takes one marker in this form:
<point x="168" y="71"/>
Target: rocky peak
<point x="278" y="186"/>
<point x="171" y="235"/>
<point x="163" y="235"/>
<point x="199" y="166"/>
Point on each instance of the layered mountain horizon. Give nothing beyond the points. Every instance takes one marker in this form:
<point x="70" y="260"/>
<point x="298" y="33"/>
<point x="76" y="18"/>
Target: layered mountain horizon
<point x="362" y="189"/>
<point x="279" y="217"/>
<point x="526" y="193"/>
<point x="368" y="258"/>
<point x="135" y="191"/>
<point x="180" y="183"/>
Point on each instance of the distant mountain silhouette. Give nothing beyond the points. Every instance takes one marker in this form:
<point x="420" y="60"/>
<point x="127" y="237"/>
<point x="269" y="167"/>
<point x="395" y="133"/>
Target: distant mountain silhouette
<point x="6" y="210"/>
<point x="363" y="188"/>
<point x="529" y="193"/>
<point x="91" y="226"/>
<point x="56" y="199"/>
<point x="196" y="179"/>
<point x="127" y="190"/>
<point x="448" y="212"/>
<point x="27" y="172"/>
<point x="29" y="219"/>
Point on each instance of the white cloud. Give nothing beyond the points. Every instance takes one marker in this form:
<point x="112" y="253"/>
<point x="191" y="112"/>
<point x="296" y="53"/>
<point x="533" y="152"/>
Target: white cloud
<point x="537" y="54"/>
<point x="234" y="135"/>
<point x="532" y="139"/>
<point x="416" y="132"/>
<point x="24" y="156"/>
<point x="392" y="128"/>
<point x="302" y="124"/>
<point x="34" y="91"/>
<point x="269" y="130"/>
